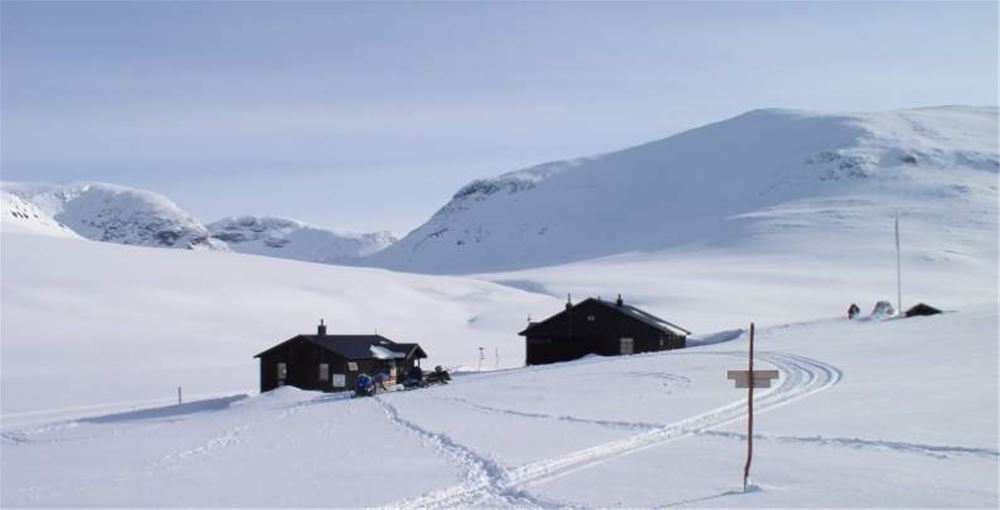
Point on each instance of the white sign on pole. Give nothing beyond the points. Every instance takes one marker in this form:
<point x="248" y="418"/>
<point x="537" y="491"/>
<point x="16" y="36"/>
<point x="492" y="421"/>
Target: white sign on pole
<point x="761" y="378"/>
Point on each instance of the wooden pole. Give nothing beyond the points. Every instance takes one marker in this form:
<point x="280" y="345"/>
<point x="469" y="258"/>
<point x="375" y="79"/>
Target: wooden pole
<point x="178" y="395"/>
<point x="746" y="467"/>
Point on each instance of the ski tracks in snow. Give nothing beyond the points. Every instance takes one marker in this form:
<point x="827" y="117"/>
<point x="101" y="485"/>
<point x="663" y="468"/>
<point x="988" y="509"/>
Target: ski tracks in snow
<point x="490" y="483"/>
<point x="930" y="450"/>
<point x="482" y="474"/>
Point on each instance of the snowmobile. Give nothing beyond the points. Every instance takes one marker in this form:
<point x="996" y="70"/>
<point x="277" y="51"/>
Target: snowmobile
<point x="365" y="386"/>
<point x="438" y="376"/>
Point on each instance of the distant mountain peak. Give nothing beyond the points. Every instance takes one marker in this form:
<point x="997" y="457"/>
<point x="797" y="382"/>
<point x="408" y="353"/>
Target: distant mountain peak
<point x="117" y="214"/>
<point x="286" y="238"/>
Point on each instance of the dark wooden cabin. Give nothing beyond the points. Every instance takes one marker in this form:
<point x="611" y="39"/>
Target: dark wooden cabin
<point x="332" y="362"/>
<point x="922" y="309"/>
<point x="595" y="326"/>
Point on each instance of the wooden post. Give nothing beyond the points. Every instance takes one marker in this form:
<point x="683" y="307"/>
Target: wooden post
<point x="746" y="467"/>
<point x="178" y="395"/>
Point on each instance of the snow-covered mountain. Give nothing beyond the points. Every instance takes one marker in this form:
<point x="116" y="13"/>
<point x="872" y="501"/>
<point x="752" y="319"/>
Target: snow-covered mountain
<point x="117" y="214"/>
<point x="290" y="239"/>
<point x="750" y="179"/>
<point x="20" y="216"/>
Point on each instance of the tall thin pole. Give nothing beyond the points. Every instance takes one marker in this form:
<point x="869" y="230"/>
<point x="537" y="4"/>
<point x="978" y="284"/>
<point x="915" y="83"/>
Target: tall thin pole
<point x="899" y="272"/>
<point x="746" y="467"/>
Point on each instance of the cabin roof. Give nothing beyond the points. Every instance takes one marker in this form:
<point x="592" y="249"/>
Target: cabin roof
<point x="647" y="318"/>
<point x="629" y="310"/>
<point x="358" y="347"/>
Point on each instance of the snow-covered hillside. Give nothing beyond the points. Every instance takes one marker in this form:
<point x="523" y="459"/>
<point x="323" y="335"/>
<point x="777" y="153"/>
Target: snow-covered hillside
<point x="117" y="214"/>
<point x="21" y="216"/>
<point x="768" y="177"/>
<point x="290" y="239"/>
<point x="124" y="324"/>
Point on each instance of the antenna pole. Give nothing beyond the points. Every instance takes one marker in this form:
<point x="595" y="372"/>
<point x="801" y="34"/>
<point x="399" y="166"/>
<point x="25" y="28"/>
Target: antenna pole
<point x="899" y="272"/>
<point x="746" y="467"/>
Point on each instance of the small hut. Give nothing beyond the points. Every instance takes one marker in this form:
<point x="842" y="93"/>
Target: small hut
<point x="922" y="309"/>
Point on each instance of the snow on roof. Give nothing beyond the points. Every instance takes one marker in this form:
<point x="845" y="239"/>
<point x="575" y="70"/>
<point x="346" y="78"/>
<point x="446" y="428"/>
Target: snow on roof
<point x="654" y="320"/>
<point x="380" y="352"/>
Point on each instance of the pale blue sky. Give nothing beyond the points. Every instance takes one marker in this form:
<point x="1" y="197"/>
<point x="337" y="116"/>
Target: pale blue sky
<point x="369" y="116"/>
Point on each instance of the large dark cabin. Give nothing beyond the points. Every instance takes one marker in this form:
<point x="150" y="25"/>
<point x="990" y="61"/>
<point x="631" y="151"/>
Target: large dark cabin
<point x="332" y="362"/>
<point x="594" y="326"/>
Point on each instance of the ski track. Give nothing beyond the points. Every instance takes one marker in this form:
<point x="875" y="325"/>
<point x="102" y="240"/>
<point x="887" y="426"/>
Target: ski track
<point x="481" y="472"/>
<point x="566" y="418"/>
<point x="801" y="377"/>
<point x="235" y="435"/>
<point x="937" y="451"/>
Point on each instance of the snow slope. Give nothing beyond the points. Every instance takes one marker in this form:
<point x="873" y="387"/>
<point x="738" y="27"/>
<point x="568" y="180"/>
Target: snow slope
<point x="20" y="216"/>
<point x="765" y="178"/>
<point x="123" y="325"/>
<point x="864" y="414"/>
<point x="112" y="213"/>
<point x="290" y="239"/>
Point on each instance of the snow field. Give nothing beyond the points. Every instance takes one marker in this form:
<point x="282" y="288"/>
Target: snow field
<point x="662" y="429"/>
<point x="90" y="324"/>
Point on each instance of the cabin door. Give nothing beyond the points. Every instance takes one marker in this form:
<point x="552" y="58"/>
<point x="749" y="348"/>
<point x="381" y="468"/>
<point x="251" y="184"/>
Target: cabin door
<point x="282" y="374"/>
<point x="626" y="346"/>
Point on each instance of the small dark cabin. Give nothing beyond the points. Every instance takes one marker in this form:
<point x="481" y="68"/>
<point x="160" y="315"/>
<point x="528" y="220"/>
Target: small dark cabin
<point x="595" y="326"/>
<point x="332" y="362"/>
<point x="922" y="309"/>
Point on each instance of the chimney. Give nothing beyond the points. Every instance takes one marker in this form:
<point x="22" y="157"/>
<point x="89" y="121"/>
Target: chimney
<point x="321" y="330"/>
<point x="619" y="302"/>
<point x="569" y="302"/>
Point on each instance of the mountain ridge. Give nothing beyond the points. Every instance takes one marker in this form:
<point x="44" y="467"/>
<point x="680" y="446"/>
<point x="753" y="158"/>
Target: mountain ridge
<point x="292" y="239"/>
<point x="107" y="212"/>
<point x="697" y="186"/>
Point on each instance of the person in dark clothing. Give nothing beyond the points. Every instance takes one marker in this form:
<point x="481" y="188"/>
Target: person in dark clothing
<point x="853" y="311"/>
<point x="380" y="379"/>
<point x="364" y="386"/>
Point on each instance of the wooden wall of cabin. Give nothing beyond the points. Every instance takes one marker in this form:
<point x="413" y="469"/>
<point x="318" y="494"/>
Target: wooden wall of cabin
<point x="301" y="359"/>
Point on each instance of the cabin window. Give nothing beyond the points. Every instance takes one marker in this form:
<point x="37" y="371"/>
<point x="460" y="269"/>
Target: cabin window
<point x="282" y="372"/>
<point x="352" y="366"/>
<point x="627" y="346"/>
<point x="591" y="318"/>
<point x="324" y="371"/>
<point x="392" y="368"/>
<point x="339" y="380"/>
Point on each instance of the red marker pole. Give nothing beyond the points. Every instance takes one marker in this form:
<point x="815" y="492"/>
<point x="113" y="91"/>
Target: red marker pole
<point x="746" y="467"/>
